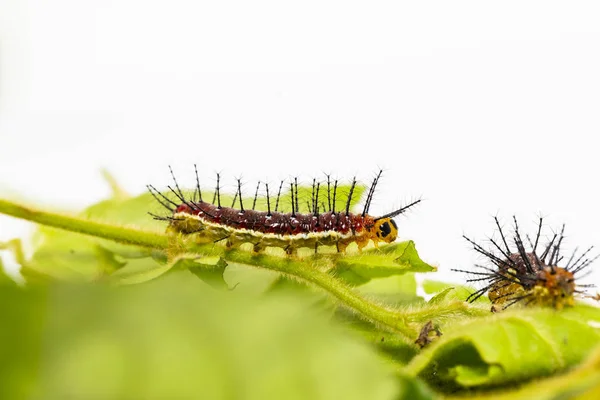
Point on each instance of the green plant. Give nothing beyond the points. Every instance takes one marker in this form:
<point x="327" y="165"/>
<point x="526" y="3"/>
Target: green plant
<point x="114" y="307"/>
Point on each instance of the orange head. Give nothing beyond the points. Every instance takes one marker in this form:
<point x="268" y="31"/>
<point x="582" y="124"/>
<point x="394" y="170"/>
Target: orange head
<point x="384" y="230"/>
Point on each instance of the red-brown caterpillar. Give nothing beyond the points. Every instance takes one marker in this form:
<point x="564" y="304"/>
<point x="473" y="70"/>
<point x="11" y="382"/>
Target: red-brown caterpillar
<point x="213" y="222"/>
<point x="524" y="276"/>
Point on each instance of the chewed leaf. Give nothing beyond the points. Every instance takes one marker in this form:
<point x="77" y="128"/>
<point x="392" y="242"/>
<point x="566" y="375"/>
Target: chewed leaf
<point x="509" y="347"/>
<point x="209" y="269"/>
<point x="394" y="259"/>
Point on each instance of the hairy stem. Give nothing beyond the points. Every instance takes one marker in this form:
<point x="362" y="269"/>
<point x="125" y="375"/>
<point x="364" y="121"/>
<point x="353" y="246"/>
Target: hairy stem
<point x="326" y="281"/>
<point x="107" y="231"/>
<point x="447" y="310"/>
<point x="165" y="242"/>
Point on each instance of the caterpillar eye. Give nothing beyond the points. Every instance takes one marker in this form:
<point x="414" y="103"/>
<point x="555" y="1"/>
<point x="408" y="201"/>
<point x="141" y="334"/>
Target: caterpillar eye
<point x="385" y="229"/>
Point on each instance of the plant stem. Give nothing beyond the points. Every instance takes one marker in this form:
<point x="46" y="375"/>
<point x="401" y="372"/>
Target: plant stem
<point x="119" y="234"/>
<point x="450" y="309"/>
<point x="337" y="288"/>
<point x="163" y="241"/>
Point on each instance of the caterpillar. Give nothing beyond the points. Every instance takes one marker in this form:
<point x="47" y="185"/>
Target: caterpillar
<point x="521" y="275"/>
<point x="323" y="225"/>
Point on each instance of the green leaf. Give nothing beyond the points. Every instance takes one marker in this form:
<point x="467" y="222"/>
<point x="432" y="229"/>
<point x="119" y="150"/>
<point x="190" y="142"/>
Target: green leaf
<point x="393" y="259"/>
<point x="508" y="347"/>
<point x="398" y="348"/>
<point x="117" y="191"/>
<point x="414" y="389"/>
<point x="441" y="296"/>
<point x="171" y="339"/>
<point x="249" y="280"/>
<point x="140" y="270"/>
<point x="314" y="299"/>
<point x="70" y="257"/>
<point x="581" y="383"/>
<point x="305" y="196"/>
<point x="130" y="211"/>
<point x="208" y="269"/>
<point x="22" y="313"/>
<point x="314" y="269"/>
<point x="394" y="290"/>
<point x="458" y="292"/>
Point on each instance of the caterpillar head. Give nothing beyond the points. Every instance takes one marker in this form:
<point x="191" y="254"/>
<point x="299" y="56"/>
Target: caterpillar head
<point x="555" y="287"/>
<point x="386" y="230"/>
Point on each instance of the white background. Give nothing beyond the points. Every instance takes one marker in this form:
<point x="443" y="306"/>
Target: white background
<point x="481" y="108"/>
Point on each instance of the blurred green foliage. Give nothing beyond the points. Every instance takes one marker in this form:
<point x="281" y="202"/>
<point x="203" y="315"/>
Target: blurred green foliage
<point x="178" y="338"/>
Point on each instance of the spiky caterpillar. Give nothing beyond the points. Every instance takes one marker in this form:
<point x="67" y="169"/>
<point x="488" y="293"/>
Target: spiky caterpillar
<point x="519" y="275"/>
<point x="213" y="222"/>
